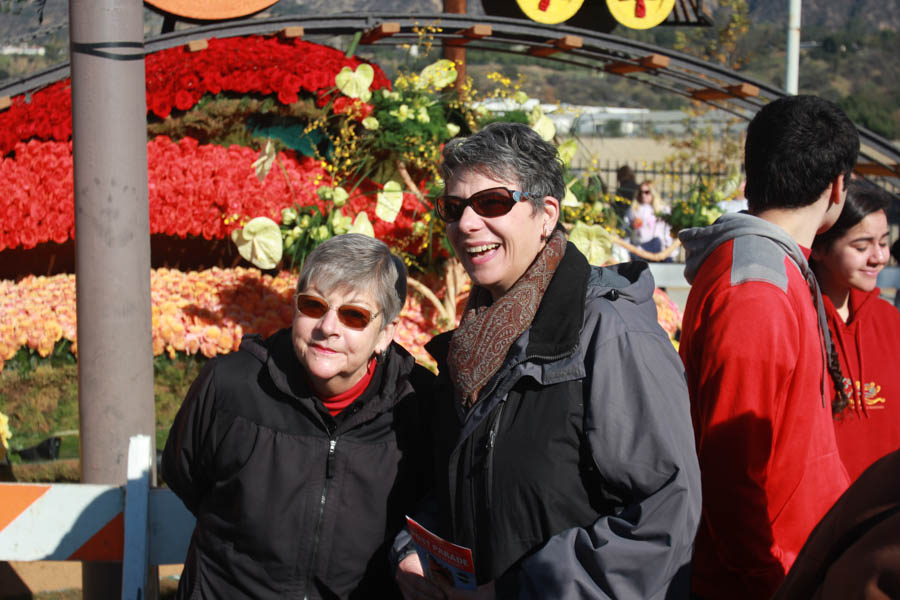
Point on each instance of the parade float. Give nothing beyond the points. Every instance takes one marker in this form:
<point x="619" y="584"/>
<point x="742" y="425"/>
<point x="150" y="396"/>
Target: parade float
<point x="259" y="148"/>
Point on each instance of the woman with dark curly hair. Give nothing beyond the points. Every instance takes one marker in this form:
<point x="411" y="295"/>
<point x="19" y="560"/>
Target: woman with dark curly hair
<point x="564" y="455"/>
<point x="864" y="328"/>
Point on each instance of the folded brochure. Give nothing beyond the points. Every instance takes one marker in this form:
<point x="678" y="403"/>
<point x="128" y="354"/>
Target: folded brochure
<point x="443" y="562"/>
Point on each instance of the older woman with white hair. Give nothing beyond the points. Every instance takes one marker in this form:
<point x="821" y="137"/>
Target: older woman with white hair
<point x="299" y="454"/>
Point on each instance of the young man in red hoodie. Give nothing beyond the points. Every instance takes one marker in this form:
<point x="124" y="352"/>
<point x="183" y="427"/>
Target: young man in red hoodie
<point x="756" y="350"/>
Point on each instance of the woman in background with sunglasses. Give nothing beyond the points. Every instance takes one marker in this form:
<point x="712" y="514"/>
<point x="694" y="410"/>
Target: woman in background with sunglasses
<point x="564" y="453"/>
<point x="301" y="453"/>
<point x="648" y="230"/>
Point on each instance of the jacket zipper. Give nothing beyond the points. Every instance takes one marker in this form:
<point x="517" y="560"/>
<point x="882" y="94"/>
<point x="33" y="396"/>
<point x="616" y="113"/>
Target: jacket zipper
<point x="492" y="435"/>
<point x="329" y="474"/>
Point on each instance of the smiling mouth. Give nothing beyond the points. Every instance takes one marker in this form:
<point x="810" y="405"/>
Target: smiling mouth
<point x="476" y="250"/>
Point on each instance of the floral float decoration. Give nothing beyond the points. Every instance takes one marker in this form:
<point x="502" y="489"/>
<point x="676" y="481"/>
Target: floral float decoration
<point x="372" y="171"/>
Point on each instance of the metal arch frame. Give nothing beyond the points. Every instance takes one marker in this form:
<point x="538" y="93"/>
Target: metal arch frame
<point x="683" y="74"/>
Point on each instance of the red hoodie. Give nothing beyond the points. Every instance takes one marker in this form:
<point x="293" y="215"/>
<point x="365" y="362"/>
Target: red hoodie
<point x="753" y="355"/>
<point x="869" y="350"/>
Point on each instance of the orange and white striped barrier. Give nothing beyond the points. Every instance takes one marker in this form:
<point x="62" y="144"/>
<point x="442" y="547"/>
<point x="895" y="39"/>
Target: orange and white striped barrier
<point x="61" y="522"/>
<point x="135" y="525"/>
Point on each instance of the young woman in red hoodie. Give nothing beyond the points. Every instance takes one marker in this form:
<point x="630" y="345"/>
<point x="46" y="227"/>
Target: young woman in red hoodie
<point x="866" y="330"/>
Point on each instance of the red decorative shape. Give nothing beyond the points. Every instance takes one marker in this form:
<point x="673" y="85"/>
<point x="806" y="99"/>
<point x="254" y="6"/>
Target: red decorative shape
<point x="640" y="9"/>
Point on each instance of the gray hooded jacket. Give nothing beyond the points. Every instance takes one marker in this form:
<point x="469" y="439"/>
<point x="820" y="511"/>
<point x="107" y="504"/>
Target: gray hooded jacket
<point x="593" y="377"/>
<point x="759" y="250"/>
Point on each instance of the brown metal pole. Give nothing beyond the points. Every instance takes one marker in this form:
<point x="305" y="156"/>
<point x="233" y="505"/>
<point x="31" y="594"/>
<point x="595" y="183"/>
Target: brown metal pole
<point x="112" y="246"/>
<point x="457" y="53"/>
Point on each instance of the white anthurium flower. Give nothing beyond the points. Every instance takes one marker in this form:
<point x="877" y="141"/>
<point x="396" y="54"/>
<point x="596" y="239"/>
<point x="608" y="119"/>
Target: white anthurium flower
<point x="438" y="75"/>
<point x="339" y="196"/>
<point x="452" y="129"/>
<point x="259" y="242"/>
<point x="263" y="164"/>
<point x="422" y="115"/>
<point x="355" y="84"/>
<point x="325" y="192"/>
<point x="289" y="215"/>
<point x="567" y="151"/>
<point x="340" y="223"/>
<point x="390" y="201"/>
<point x="361" y="224"/>
<point x="570" y="199"/>
<point x="401" y="112"/>
<point x="593" y="241"/>
<point x="371" y="123"/>
<point x="545" y="128"/>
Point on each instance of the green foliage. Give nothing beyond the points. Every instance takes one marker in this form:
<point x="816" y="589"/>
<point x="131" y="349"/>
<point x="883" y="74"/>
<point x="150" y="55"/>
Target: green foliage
<point x="172" y="377"/>
<point x="26" y="360"/>
<point x="510" y="116"/>
<point x="719" y="43"/>
<point x="873" y="111"/>
<point x="597" y="208"/>
<point x="42" y="400"/>
<point x="227" y="118"/>
<point x="700" y="207"/>
<point x="308" y="228"/>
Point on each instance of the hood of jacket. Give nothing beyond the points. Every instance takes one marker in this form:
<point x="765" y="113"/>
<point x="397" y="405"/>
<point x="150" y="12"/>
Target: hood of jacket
<point x="547" y="351"/>
<point x="389" y="385"/>
<point x="700" y="242"/>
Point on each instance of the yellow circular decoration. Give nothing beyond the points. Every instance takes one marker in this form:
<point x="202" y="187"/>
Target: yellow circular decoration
<point x="550" y="12"/>
<point x="212" y="9"/>
<point x="640" y="14"/>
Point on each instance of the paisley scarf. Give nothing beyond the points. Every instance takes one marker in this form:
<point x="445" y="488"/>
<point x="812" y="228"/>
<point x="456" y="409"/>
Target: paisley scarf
<point x="486" y="331"/>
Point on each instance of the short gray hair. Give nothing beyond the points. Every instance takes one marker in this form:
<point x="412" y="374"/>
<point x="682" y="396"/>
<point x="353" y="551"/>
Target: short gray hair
<point x="508" y="152"/>
<point x="357" y="262"/>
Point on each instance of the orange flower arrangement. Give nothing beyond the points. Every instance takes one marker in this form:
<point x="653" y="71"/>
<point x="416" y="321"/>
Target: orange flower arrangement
<point x="195" y="311"/>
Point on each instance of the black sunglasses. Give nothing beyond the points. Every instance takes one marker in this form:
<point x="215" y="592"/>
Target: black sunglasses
<point x="354" y="317"/>
<point x="492" y="202"/>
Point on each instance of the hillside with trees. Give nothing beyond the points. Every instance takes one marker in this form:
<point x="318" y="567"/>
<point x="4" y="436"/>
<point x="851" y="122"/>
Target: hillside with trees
<point x="850" y="51"/>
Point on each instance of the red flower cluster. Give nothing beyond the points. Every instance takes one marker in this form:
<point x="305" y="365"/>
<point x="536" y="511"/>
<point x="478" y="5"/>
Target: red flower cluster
<point x="177" y="78"/>
<point x="46" y="115"/>
<point x="261" y="65"/>
<point x="36" y="195"/>
<point x="353" y="107"/>
<point x="193" y="189"/>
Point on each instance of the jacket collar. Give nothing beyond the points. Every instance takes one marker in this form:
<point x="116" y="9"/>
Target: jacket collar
<point x="388" y="386"/>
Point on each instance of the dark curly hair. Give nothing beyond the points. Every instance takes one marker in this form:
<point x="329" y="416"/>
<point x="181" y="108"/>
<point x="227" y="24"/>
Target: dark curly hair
<point x="508" y="152"/>
<point x="796" y="147"/>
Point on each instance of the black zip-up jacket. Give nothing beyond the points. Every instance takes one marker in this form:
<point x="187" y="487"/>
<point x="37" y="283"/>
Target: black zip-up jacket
<point x="575" y="474"/>
<point x="291" y="502"/>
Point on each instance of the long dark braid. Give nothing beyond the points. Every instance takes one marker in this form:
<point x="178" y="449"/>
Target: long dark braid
<point x="840" y="400"/>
